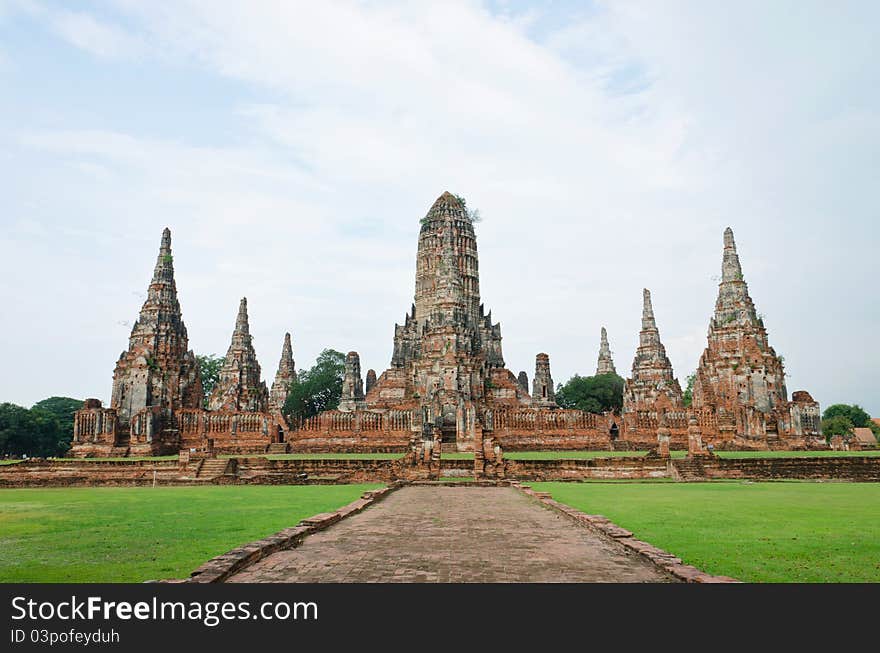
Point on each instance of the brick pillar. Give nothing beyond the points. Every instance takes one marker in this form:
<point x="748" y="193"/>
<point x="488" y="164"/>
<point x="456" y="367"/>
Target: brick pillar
<point x="663" y="434"/>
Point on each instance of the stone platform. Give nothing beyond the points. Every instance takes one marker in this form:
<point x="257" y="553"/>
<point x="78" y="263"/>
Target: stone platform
<point x="455" y="534"/>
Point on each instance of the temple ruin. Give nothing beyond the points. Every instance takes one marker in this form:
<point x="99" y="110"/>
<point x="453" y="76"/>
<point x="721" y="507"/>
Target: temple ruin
<point x="652" y="386"/>
<point x="240" y="387"/>
<point x="157" y="401"/>
<point x="740" y="379"/>
<point x="284" y="377"/>
<point x="447" y="386"/>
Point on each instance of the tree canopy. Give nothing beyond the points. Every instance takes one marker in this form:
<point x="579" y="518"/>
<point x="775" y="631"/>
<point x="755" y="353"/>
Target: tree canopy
<point x="841" y="419"/>
<point x="63" y="409"/>
<point x="316" y="389"/>
<point x="855" y="414"/>
<point x="595" y="394"/>
<point x="42" y="431"/>
<point x="688" y="397"/>
<point x="837" y="425"/>
<point x="209" y="371"/>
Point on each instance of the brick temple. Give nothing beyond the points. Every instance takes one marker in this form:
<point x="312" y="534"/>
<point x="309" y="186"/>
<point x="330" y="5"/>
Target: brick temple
<point x="447" y="386"/>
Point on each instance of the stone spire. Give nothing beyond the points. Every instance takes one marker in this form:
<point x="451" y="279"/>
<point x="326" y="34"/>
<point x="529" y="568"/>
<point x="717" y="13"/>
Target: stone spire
<point x="731" y="270"/>
<point x="648" y="321"/>
<point x="652" y="376"/>
<point x="285" y="375"/>
<point x="734" y="305"/>
<point x="446" y="269"/>
<point x="239" y="387"/>
<point x="242" y="328"/>
<point x="447" y="293"/>
<point x="447" y="344"/>
<point x="157" y="369"/>
<point x="739" y="369"/>
<point x="352" y="383"/>
<point x="606" y="363"/>
<point x="371" y="380"/>
<point x="523" y="380"/>
<point x="543" y="393"/>
<point x="163" y="273"/>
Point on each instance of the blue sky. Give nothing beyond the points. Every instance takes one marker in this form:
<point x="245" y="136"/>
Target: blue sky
<point x="293" y="147"/>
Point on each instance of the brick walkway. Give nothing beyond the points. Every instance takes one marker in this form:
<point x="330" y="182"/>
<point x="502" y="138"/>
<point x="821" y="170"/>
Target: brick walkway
<point x="454" y="534"/>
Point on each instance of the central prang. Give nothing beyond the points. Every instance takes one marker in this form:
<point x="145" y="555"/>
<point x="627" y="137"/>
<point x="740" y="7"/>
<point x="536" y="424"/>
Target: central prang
<point x="447" y="354"/>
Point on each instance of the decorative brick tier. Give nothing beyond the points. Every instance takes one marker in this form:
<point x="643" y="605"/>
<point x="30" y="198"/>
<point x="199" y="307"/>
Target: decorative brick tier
<point x="263" y="471"/>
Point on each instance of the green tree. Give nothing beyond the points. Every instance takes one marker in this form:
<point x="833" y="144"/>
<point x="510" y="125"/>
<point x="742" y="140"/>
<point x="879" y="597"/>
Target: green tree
<point x="35" y="432"/>
<point x="837" y="425"/>
<point x="316" y="389"/>
<point x="688" y="397"/>
<point x="595" y="394"/>
<point x="62" y="408"/>
<point x="855" y="414"/>
<point x="209" y="371"/>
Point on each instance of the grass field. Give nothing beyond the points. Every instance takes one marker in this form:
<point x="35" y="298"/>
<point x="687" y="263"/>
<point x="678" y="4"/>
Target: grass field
<point x="797" y="454"/>
<point x="136" y="534"/>
<point x="757" y="532"/>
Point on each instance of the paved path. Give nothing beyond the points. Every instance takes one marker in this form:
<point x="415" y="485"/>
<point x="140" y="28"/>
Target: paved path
<point x="454" y="534"/>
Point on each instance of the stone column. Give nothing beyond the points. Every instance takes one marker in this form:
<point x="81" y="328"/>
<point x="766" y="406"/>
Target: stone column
<point x="663" y="434"/>
<point x="352" y="383"/>
<point x="543" y="393"/>
<point x="695" y="438"/>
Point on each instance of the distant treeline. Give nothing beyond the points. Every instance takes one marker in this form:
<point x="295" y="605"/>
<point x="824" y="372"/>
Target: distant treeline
<point x="41" y="431"/>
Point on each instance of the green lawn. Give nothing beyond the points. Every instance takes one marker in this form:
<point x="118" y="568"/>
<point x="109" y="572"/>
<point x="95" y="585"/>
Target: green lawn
<point x="797" y="454"/>
<point x="137" y="534"/>
<point x="9" y="462"/>
<point x="757" y="532"/>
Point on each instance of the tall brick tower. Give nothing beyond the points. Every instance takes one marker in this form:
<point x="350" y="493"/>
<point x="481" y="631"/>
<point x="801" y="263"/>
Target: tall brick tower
<point x="447" y="354"/>
<point x="239" y="387"/>
<point x="652" y="377"/>
<point x="285" y="375"/>
<point x="738" y="368"/>
<point x="158" y="369"/>
<point x="447" y="297"/>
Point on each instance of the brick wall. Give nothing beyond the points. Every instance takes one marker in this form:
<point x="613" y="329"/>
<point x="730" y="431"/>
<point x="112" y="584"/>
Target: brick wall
<point x="61" y="473"/>
<point x="839" y="469"/>
<point x="262" y="471"/>
<point x="607" y="468"/>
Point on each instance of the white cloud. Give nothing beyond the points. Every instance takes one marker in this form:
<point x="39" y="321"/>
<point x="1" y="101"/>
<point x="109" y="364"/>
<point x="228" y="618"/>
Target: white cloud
<point x="81" y="29"/>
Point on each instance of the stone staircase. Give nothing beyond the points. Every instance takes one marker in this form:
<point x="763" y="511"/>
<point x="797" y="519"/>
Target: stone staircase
<point x="119" y="452"/>
<point x="211" y="468"/>
<point x="448" y="447"/>
<point x="278" y="447"/>
<point x="689" y="470"/>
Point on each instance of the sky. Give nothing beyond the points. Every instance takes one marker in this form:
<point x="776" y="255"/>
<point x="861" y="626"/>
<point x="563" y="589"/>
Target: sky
<point x="293" y="147"/>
